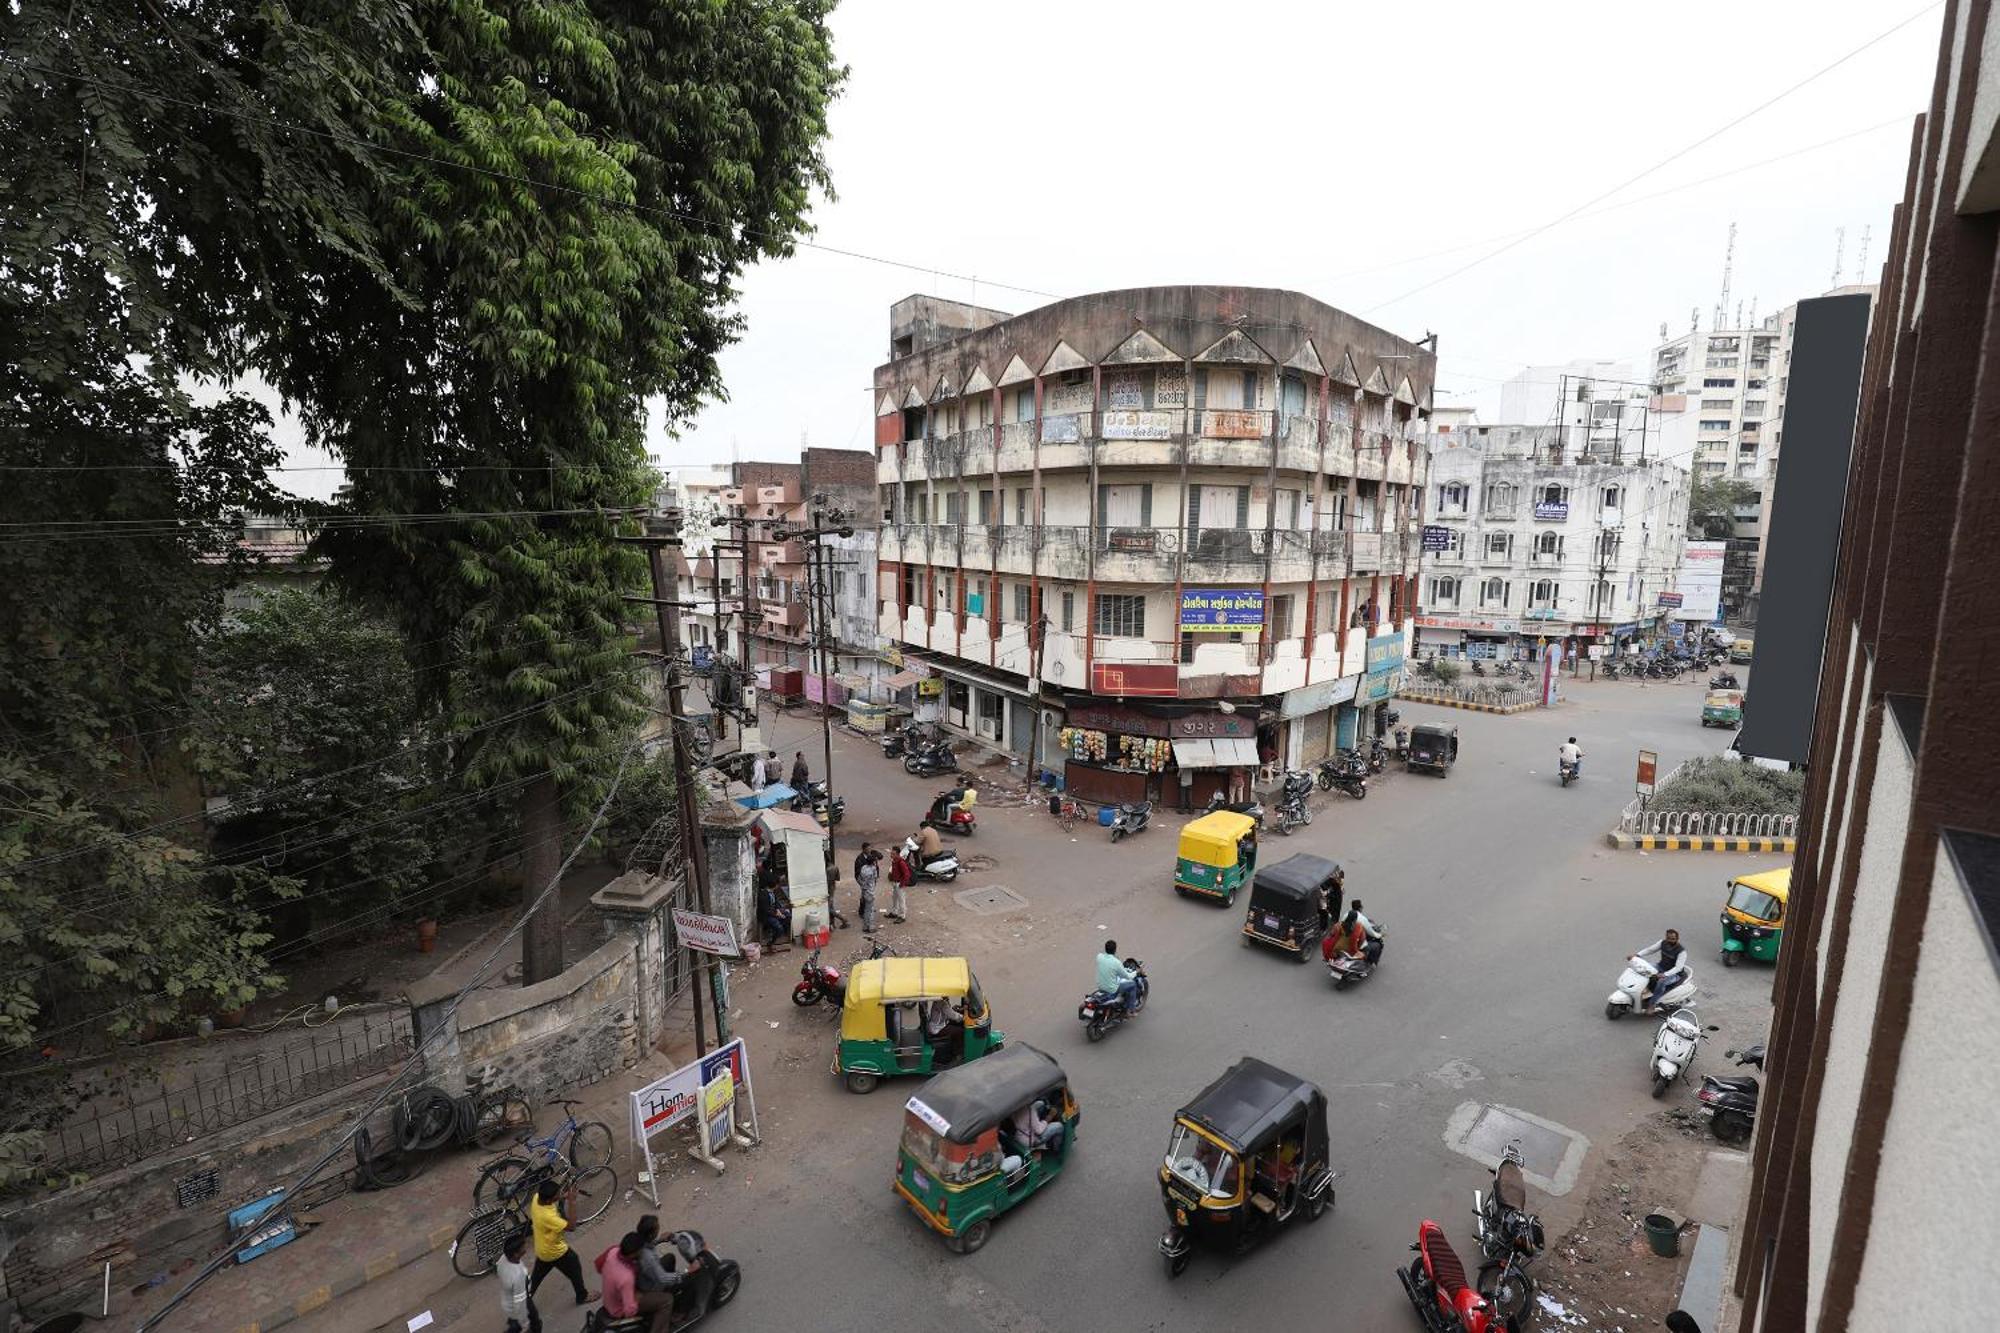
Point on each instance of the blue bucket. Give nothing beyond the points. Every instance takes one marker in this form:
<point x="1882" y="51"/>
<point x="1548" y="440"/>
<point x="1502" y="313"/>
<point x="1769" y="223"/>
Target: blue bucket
<point x="1105" y="814"/>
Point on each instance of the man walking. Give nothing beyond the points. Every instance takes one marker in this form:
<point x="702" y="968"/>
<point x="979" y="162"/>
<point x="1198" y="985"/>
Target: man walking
<point x="800" y="774"/>
<point x="516" y="1306"/>
<point x="1187" y="791"/>
<point x="868" y="873"/>
<point x="901" y="876"/>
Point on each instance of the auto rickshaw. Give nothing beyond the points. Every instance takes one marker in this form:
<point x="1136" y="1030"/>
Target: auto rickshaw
<point x="1433" y="748"/>
<point x="1722" y="708"/>
<point x="1740" y="651"/>
<point x="1217" y="853"/>
<point x="1753" y="916"/>
<point x="966" y="1157"/>
<point x="1284" y="904"/>
<point x="883" y="1020"/>
<point x="1247" y="1155"/>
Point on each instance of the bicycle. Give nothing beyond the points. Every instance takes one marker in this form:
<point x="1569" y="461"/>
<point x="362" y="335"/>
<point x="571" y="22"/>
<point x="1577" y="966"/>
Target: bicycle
<point x="502" y="1113"/>
<point x="483" y="1239"/>
<point x="582" y="1145"/>
<point x="1068" y="812"/>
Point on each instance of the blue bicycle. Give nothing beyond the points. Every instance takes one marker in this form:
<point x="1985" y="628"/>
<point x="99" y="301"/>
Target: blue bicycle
<point x="575" y="1146"/>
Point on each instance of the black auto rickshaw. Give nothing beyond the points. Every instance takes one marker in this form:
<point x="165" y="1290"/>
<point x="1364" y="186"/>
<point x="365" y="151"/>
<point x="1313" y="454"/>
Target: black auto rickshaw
<point x="1286" y="903"/>
<point x="1247" y="1155"/>
<point x="1433" y="748"/>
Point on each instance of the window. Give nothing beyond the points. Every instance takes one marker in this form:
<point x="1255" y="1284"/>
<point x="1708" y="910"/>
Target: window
<point x="954" y="507"/>
<point x="1125" y="506"/>
<point x="920" y="507"/>
<point x="889" y="503"/>
<point x="975" y="597"/>
<point x="1714" y="423"/>
<point x="1493" y="592"/>
<point x="1500" y="498"/>
<point x="1121" y="615"/>
<point x="1452" y="497"/>
<point x="1021" y="506"/>
<point x="1552" y="494"/>
<point x="1607" y="545"/>
<point x="1716" y="404"/>
<point x="910" y="587"/>
<point x="986" y="514"/>
<point x="1499" y="545"/>
<point x="840" y="583"/>
<point x="1720" y="363"/>
<point x="1218" y="507"/>
<point x="1725" y="382"/>
<point x="1454" y="545"/>
<point x="1023" y="603"/>
<point x="1542" y="594"/>
<point x="1068" y="611"/>
<point x="1614" y="497"/>
<point x="1280" y="619"/>
<point x="1548" y="547"/>
<point x="1285" y="514"/>
<point x="1754" y="407"/>
<point x="1024" y="403"/>
<point x="1444" y="592"/>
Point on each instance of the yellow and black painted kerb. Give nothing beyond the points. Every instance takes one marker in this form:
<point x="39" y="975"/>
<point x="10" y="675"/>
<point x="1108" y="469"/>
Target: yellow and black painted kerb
<point x="1646" y="842"/>
<point x="350" y="1279"/>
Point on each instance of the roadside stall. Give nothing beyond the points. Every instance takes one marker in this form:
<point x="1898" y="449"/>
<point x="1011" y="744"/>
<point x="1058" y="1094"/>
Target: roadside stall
<point x="795" y="845"/>
<point x="1115" y="753"/>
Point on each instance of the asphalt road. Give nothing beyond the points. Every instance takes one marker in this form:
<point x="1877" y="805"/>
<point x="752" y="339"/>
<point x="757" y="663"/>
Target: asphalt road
<point x="1508" y="920"/>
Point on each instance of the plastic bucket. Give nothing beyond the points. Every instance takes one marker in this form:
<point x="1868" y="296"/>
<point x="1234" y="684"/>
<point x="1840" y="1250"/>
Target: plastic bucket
<point x="1663" y="1234"/>
<point x="1105" y="815"/>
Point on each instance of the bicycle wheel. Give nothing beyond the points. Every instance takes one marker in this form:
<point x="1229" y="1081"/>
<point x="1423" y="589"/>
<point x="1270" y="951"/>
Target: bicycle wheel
<point x="594" y="1190"/>
<point x="501" y="1116"/>
<point x="499" y="1181"/>
<point x="590" y="1145"/>
<point x="479" y="1243"/>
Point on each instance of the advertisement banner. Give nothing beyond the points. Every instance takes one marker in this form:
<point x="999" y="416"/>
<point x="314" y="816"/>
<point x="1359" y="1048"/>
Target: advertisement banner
<point x="1147" y="680"/>
<point x="1552" y="509"/>
<point x="1221" y="610"/>
<point x="1385" y="666"/>
<point x="1700" y="583"/>
<point x="706" y="934"/>
<point x="666" y="1102"/>
<point x="1436" y="538"/>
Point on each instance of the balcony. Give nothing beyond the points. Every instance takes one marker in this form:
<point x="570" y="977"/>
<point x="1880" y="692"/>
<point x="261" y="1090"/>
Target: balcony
<point x="1065" y="440"/>
<point x="1370" y="556"/>
<point x="1017" y="446"/>
<point x="783" y="615"/>
<point x="779" y="493"/>
<point x="1298" y="444"/>
<point x="888" y="466"/>
<point x="771" y="555"/>
<point x="1226" y="553"/>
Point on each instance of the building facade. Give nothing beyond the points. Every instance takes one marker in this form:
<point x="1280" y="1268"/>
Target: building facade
<point x="1151" y="530"/>
<point x="1534" y="540"/>
<point x="1875" y="1165"/>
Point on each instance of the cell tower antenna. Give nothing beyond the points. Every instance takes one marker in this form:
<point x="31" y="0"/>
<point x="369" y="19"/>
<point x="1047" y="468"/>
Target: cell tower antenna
<point x="1728" y="266"/>
<point x="1839" y="248"/>
<point x="1663" y="330"/>
<point x="1753" y="313"/>
<point x="1861" y="261"/>
<point x="1694" y="319"/>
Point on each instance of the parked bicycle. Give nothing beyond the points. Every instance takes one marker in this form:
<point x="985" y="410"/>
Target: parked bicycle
<point x="580" y="1145"/>
<point x="586" y="1196"/>
<point x="1066" y="810"/>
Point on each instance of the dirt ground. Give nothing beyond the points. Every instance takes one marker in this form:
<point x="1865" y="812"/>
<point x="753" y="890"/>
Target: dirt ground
<point x="1602" y="1275"/>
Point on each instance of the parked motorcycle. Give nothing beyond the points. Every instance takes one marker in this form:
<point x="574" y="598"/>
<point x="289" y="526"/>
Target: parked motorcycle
<point x="1436" y="1285"/>
<point x="1510" y="1237"/>
<point x="1132" y="817"/>
<point x="1378" y="755"/>
<point x="943" y="867"/>
<point x="818" y="982"/>
<point x="1294" y="808"/>
<point x="947" y="816"/>
<point x="1102" y="1010"/>
<point x="1729" y="1104"/>
<point x="708" y="1286"/>
<point x="1631" y="992"/>
<point x="1674" y="1047"/>
<point x="1252" y="808"/>
<point x="927" y="761"/>
<point x="1349" y="774"/>
<point x="1612" y="670"/>
<point x="1402" y="750"/>
<point x="895" y="742"/>
<point x="827" y="809"/>
<point x="1723" y="680"/>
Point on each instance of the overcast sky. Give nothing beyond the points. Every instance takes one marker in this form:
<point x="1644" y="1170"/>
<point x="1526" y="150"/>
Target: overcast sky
<point x="1353" y="153"/>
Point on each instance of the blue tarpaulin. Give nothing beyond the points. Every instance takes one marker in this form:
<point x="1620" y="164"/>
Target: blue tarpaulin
<point x="775" y="794"/>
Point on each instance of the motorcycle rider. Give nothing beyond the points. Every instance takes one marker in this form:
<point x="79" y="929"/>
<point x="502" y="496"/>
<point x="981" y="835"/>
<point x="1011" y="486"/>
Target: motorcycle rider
<point x="1114" y="976"/>
<point x="1667" y="954"/>
<point x="1348" y="939"/>
<point x="1570" y="753"/>
<point x="1370" y="932"/>
<point x="929" y="845"/>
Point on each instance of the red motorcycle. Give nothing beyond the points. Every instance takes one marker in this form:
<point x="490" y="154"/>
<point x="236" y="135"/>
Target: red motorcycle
<point x="818" y="983"/>
<point x="948" y="816"/>
<point x="1436" y="1284"/>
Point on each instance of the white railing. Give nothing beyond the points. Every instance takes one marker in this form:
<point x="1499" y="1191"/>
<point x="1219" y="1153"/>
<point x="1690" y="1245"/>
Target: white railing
<point x="1637" y="819"/>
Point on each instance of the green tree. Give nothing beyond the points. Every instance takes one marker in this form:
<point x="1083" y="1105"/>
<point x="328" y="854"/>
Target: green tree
<point x="1712" y="504"/>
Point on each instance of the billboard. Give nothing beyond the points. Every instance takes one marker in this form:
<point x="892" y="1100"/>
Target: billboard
<point x="1211" y="610"/>
<point x="1700" y="581"/>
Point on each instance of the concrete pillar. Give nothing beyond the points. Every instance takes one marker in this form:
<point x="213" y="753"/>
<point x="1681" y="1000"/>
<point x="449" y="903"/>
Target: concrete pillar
<point x="732" y="866"/>
<point x="430" y="1012"/>
<point x="637" y="905"/>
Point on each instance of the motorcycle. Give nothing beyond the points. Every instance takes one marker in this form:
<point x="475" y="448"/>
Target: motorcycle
<point x="1293" y="808"/>
<point x="1569" y="770"/>
<point x="1252" y="808"/>
<point x="894" y="743"/>
<point x="1348" y="774"/>
<point x="1723" y="680"/>
<point x="1102" y="1010"/>
<point x="1478" y="666"/>
<point x="707" y="1288"/>
<point x="1510" y="1237"/>
<point x="948" y="816"/>
<point x="1378" y="756"/>
<point x="1402" y="750"/>
<point x="1436" y="1285"/>
<point x="1344" y="971"/>
<point x="943" y="867"/>
<point x="1729" y="1104"/>
<point x="818" y="982"/>
<point x="1132" y="817"/>
<point x="1612" y="671"/>
<point x="927" y="761"/>
<point x="828" y="810"/>
<point x="1673" y="1049"/>
<point x="1630" y="995"/>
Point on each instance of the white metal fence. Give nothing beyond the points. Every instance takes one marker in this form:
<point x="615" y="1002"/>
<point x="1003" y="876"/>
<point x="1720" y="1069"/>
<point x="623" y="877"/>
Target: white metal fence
<point x="1640" y="821"/>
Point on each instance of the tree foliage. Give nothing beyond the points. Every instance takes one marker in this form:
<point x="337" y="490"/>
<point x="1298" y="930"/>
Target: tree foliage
<point x="1712" y="504"/>
<point x="1724" y="786"/>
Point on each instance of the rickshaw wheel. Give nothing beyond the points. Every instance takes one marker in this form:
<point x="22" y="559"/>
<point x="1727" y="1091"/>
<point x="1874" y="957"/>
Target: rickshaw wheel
<point x="858" y="1081"/>
<point x="1731" y="957"/>
<point x="969" y="1240"/>
<point x="1177" y="1264"/>
<point x="1316" y="1207"/>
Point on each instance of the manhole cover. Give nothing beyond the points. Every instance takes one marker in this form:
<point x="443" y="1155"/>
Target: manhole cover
<point x="1551" y="1154"/>
<point x="990" y="900"/>
<point x="976" y="861"/>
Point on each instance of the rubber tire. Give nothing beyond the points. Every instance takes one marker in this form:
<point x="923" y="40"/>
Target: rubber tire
<point x="501" y="1117"/>
<point x="1515" y="1310"/>
<point x="1731" y="957"/>
<point x="862" y="1082"/>
<point x="805" y="996"/>
<point x="426" y="1120"/>
<point x="591" y="1145"/>
<point x="973" y="1238"/>
<point x="1177" y="1263"/>
<point x="1320" y="1206"/>
<point x="1179" y="891"/>
<point x="1117" y="834"/>
<point x="726" y="1288"/>
<point x="946" y="879"/>
<point x="1614" y="1012"/>
<point x="1660" y="1085"/>
<point x="496" y="1224"/>
<point x="1309" y="817"/>
<point x="1300" y="957"/>
<point x="1749" y="1127"/>
<point x="596" y="1190"/>
<point x="1342" y="983"/>
<point x="496" y="1180"/>
<point x="1093" y="1031"/>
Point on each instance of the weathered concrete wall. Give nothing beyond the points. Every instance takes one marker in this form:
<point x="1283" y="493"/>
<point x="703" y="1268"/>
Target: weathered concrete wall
<point x="566" y="1032"/>
<point x="732" y="866"/>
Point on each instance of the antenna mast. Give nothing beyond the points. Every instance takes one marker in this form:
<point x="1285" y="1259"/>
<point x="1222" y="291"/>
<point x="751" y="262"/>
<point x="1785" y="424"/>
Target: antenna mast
<point x="1839" y="248"/>
<point x="1861" y="263"/>
<point x="1728" y="264"/>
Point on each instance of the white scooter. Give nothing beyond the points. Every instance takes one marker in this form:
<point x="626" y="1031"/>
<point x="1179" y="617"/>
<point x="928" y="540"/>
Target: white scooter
<point x="1674" y="1048"/>
<point x="1630" y="997"/>
<point x="943" y="867"/>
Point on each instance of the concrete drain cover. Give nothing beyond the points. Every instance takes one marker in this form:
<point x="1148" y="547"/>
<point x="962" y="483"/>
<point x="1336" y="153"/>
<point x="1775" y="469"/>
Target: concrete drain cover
<point x="1551" y="1154"/>
<point x="990" y="900"/>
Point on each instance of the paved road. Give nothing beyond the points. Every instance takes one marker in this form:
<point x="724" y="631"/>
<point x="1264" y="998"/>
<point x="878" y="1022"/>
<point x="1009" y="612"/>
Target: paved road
<point x="1508" y="917"/>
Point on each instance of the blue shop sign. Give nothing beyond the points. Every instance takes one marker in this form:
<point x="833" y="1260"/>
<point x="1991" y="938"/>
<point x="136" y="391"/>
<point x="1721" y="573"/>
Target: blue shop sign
<point x="1222" y="608"/>
<point x="1385" y="665"/>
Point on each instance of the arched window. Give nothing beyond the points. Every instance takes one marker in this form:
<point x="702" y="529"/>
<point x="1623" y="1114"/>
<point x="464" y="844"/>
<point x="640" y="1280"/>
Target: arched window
<point x="1452" y="496"/>
<point x="1542" y="594"/>
<point x="1493" y="593"/>
<point x="1553" y="494"/>
<point x="1444" y="592"/>
<point x="1500" y="498"/>
<point x="1548" y="546"/>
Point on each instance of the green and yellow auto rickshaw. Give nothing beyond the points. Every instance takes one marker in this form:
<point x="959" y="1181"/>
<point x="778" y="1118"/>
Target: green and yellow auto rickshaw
<point x="979" y="1139"/>
<point x="1218" y="852"/>
<point x="1753" y="916"/>
<point x="911" y="1016"/>
<point x="1722" y="708"/>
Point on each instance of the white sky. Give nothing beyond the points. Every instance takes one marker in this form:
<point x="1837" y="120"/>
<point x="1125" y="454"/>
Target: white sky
<point x="1333" y="149"/>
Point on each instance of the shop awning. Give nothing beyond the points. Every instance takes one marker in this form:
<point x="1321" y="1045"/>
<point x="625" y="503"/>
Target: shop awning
<point x="1225" y="753"/>
<point x="902" y="680"/>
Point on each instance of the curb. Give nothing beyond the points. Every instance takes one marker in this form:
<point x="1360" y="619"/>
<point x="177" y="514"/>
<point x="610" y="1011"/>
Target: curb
<point x="1627" y="842"/>
<point x="1505" y="710"/>
<point x="350" y="1280"/>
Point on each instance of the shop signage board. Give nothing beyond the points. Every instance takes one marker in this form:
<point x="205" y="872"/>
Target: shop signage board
<point x="1700" y="582"/>
<point x="1385" y="665"/>
<point x="1460" y="622"/>
<point x="1436" y="538"/>
<point x="1557" y="510"/>
<point x="1670" y="599"/>
<point x="1319" y="697"/>
<point x="1152" y="680"/>
<point x="1136" y="425"/>
<point x="1124" y="721"/>
<point x="1221" y="610"/>
<point x="1649" y="768"/>
<point x="706" y="934"/>
<point x="666" y="1102"/>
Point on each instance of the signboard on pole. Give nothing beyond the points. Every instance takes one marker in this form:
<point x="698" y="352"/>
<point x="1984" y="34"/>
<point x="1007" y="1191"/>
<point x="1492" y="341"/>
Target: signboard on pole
<point x="1649" y="768"/>
<point x="666" y="1102"/>
<point x="706" y="934"/>
<point x="1672" y="599"/>
<point x="718" y="1107"/>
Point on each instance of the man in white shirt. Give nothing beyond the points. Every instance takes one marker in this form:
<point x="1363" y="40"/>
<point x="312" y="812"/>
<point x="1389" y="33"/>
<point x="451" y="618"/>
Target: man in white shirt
<point x="515" y="1303"/>
<point x="1571" y="754"/>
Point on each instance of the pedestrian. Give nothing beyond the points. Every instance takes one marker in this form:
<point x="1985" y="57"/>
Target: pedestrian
<point x="867" y="899"/>
<point x="868" y="873"/>
<point x="800" y="774"/>
<point x="901" y="876"/>
<point x="833" y="887"/>
<point x="552" y="1251"/>
<point x="759" y="775"/>
<point x="1187" y="791"/>
<point x="515" y="1302"/>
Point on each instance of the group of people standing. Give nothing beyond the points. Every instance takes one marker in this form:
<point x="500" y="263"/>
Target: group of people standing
<point x="868" y="876"/>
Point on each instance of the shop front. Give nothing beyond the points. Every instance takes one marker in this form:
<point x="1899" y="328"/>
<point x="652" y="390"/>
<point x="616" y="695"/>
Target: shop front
<point x="1476" y="637"/>
<point x="1114" y="753"/>
<point x="1310" y="716"/>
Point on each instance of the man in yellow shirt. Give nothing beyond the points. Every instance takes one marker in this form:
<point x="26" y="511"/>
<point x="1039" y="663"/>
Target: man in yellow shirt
<point x="552" y="1251"/>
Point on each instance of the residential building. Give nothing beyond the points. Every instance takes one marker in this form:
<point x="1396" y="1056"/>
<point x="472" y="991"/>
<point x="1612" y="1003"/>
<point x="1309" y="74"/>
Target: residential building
<point x="1155" y="529"/>
<point x="1532" y="540"/>
<point x="1530" y="397"/>
<point x="1872" y="1180"/>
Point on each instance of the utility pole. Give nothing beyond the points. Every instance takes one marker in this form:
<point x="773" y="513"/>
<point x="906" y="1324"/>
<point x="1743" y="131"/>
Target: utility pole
<point x="827" y="521"/>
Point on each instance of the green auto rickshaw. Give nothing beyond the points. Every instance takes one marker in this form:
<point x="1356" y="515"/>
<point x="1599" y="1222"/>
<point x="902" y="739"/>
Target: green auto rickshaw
<point x="1218" y="852"/>
<point x="1753" y="916"/>
<point x="911" y="1016"/>
<point x="979" y="1139"/>
<point x="1722" y="708"/>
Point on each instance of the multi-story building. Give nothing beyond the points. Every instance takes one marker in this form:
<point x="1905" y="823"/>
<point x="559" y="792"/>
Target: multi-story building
<point x="1536" y="539"/>
<point x="1168" y="527"/>
<point x="1531" y="396"/>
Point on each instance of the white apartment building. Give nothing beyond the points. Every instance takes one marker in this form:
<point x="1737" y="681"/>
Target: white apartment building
<point x="1534" y="541"/>
<point x="1530" y="397"/>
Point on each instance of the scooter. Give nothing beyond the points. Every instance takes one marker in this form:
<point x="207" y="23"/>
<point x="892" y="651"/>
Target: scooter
<point x="930" y="760"/>
<point x="1630" y="995"/>
<point x="815" y="797"/>
<point x="943" y="867"/>
<point x="1132" y="817"/>
<point x="948" y="816"/>
<point x="1569" y="770"/>
<point x="1436" y="1285"/>
<point x="1102" y="1010"/>
<point x="1510" y="1237"/>
<point x="818" y="983"/>
<point x="706" y="1289"/>
<point x="1673" y="1049"/>
<point x="1729" y="1104"/>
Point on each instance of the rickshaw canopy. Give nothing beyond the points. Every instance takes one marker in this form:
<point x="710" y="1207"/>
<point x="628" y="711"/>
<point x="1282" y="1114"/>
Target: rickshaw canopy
<point x="1433" y="731"/>
<point x="1249" y="1106"/>
<point x="1212" y="840"/>
<point x="1724" y="699"/>
<point x="1777" y="883"/>
<point x="1292" y="883"/>
<point x="879" y="981"/>
<point x="963" y="1103"/>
